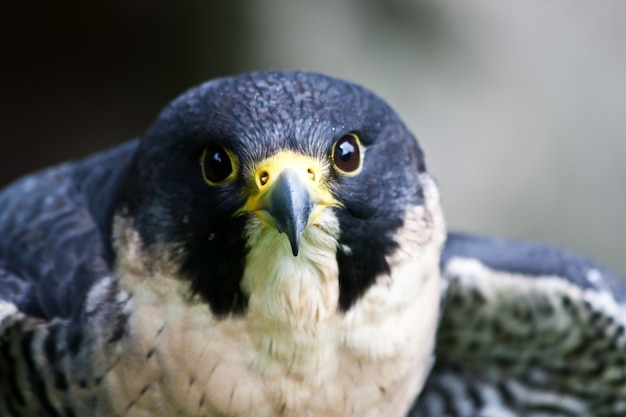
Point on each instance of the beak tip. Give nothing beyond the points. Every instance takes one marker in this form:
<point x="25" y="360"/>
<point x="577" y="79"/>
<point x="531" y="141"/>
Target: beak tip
<point x="294" y="242"/>
<point x="290" y="205"/>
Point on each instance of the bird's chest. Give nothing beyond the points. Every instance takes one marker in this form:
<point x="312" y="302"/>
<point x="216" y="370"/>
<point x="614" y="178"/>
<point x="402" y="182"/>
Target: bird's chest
<point x="181" y="361"/>
<point x="172" y="370"/>
<point x="292" y="353"/>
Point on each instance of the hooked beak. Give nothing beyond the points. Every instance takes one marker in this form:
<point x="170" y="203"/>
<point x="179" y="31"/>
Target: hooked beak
<point x="289" y="202"/>
<point x="289" y="194"/>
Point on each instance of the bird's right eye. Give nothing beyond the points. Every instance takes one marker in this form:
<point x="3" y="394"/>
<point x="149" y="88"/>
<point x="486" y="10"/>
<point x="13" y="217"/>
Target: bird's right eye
<point x="218" y="164"/>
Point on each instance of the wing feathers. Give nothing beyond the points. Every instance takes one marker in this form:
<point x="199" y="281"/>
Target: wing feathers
<point x="55" y="228"/>
<point x="527" y="330"/>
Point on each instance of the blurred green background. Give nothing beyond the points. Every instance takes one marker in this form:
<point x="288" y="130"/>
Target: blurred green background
<point x="520" y="106"/>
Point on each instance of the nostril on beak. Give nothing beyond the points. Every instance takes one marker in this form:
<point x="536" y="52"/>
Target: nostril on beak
<point x="264" y="178"/>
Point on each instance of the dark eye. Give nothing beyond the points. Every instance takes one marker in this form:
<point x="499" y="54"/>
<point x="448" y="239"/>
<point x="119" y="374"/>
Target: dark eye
<point x="347" y="154"/>
<point x="217" y="164"/>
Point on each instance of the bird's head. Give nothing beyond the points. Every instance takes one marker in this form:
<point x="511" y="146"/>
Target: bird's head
<point x="247" y="177"/>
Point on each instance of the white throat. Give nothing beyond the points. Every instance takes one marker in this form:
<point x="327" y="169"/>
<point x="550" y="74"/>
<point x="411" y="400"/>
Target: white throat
<point x="291" y="295"/>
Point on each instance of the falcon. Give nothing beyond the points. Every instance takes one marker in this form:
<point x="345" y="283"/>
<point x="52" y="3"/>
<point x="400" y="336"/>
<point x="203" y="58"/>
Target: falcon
<point x="273" y="245"/>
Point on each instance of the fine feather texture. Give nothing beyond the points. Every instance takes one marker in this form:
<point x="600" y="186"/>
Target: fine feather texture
<point x="133" y="286"/>
<point x="130" y="286"/>
<point x="53" y="228"/>
<point x="526" y="330"/>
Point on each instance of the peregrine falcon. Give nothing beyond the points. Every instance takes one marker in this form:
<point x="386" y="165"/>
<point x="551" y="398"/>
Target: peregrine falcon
<point x="273" y="245"/>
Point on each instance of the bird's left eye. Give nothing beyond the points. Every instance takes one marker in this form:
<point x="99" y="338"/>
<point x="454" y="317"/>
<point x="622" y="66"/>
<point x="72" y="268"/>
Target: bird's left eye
<point x="346" y="154"/>
<point x="218" y="164"/>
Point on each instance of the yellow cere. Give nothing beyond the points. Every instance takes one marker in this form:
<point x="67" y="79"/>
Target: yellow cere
<point x="311" y="171"/>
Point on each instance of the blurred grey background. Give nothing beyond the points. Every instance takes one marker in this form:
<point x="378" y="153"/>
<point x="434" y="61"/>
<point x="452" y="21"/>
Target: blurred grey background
<point x="520" y="106"/>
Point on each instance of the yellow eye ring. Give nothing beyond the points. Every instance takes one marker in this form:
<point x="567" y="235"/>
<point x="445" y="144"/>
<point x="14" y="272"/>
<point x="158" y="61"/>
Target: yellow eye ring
<point x="347" y="155"/>
<point x="219" y="164"/>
